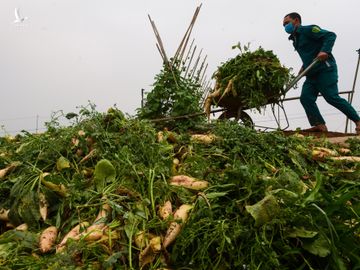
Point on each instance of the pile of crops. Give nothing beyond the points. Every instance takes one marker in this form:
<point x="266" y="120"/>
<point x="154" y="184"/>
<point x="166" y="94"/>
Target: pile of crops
<point x="109" y="192"/>
<point x="254" y="78"/>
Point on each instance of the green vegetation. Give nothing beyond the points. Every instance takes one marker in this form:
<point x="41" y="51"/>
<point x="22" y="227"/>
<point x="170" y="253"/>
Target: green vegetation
<point x="173" y="95"/>
<point x="254" y="78"/>
<point x="270" y="202"/>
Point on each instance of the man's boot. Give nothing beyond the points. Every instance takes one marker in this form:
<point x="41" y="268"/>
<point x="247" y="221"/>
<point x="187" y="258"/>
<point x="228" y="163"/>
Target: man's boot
<point x="318" y="128"/>
<point x="357" y="128"/>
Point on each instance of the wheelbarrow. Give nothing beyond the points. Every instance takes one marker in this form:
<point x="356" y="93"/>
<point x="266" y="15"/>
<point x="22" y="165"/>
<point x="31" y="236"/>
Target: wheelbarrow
<point x="234" y="107"/>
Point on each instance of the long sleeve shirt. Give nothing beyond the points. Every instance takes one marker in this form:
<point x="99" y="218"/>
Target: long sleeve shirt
<point x="308" y="41"/>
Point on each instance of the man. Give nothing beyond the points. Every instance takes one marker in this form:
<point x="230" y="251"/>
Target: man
<point x="313" y="42"/>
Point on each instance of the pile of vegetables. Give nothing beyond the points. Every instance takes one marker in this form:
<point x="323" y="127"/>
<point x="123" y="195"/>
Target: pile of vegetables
<point x="110" y="192"/>
<point x="253" y="78"/>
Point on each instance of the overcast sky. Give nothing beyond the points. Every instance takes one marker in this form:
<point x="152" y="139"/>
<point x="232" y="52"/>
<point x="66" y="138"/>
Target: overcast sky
<point x="71" y="51"/>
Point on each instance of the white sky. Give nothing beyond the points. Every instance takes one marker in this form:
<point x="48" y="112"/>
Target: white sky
<point x="71" y="51"/>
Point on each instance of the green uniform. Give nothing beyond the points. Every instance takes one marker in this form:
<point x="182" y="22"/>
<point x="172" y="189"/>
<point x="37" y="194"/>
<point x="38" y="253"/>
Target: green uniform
<point x="308" y="41"/>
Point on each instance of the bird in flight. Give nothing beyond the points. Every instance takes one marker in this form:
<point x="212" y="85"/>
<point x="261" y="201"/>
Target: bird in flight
<point x="19" y="19"/>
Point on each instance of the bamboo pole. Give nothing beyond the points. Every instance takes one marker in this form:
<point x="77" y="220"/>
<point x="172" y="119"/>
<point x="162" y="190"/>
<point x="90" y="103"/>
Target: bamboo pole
<point x="195" y="65"/>
<point x="202" y="76"/>
<point x="186" y="37"/>
<point x="188" y="53"/>
<point x="162" y="50"/>
<point x="191" y="58"/>
<point x="201" y="68"/>
<point x="160" y="43"/>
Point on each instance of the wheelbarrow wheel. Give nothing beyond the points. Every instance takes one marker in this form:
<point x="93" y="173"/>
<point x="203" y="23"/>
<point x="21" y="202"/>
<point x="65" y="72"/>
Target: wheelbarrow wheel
<point x="239" y="116"/>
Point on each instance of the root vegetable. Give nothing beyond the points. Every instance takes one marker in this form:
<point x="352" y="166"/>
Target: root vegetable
<point x="181" y="214"/>
<point x="203" y="138"/>
<point x="9" y="225"/>
<point x="22" y="227"/>
<point x="91" y="154"/>
<point x="166" y="135"/>
<point x="160" y="136"/>
<point x="322" y="152"/>
<point x="43" y="206"/>
<point x="209" y="100"/>
<point x="96" y="230"/>
<point x="8" y="169"/>
<point x="344" y="151"/>
<point x="109" y="235"/>
<point x="149" y="253"/>
<point x="165" y="210"/>
<point x="175" y="165"/>
<point x="105" y="209"/>
<point x="188" y="182"/>
<point x="75" y="141"/>
<point x="47" y="239"/>
<point x="58" y="188"/>
<point x="142" y="238"/>
<point x="346" y="158"/>
<point x="4" y="214"/>
<point x="328" y="151"/>
<point x="71" y="235"/>
<point x="94" y="233"/>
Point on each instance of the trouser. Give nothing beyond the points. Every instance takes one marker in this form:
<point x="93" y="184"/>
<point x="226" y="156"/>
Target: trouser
<point x="326" y="84"/>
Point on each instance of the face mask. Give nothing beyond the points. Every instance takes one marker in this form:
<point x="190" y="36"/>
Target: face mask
<point x="289" y="28"/>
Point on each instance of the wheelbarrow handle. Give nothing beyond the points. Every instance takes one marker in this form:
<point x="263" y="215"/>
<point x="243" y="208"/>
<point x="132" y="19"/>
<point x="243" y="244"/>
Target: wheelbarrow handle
<point x="302" y="74"/>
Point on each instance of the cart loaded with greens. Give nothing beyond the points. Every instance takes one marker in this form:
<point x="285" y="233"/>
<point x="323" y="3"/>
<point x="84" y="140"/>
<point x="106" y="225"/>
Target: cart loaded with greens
<point x="250" y="80"/>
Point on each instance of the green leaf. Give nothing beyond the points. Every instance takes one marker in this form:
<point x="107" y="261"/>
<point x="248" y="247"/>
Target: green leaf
<point x="104" y="171"/>
<point x="214" y="195"/>
<point x="320" y="246"/>
<point x="313" y="194"/>
<point x="264" y="210"/>
<point x="62" y="163"/>
<point x="300" y="232"/>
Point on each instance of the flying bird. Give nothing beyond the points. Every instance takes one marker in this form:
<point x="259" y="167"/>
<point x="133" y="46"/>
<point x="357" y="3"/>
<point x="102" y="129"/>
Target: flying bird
<point x="19" y="19"/>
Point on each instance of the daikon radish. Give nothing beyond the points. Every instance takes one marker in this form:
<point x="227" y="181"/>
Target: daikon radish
<point x="47" y="239"/>
<point x="96" y="230"/>
<point x="43" y="206"/>
<point x="203" y="138"/>
<point x="8" y="169"/>
<point x="181" y="214"/>
<point x="71" y="235"/>
<point x="142" y="238"/>
<point x="165" y="210"/>
<point x="322" y="152"/>
<point x="346" y="158"/>
<point x="149" y="253"/>
<point x="91" y="154"/>
<point x="344" y="151"/>
<point x="188" y="182"/>
<point x="22" y="227"/>
<point x="4" y="214"/>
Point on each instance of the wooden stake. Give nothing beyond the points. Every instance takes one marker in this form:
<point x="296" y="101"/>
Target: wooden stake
<point x="191" y="58"/>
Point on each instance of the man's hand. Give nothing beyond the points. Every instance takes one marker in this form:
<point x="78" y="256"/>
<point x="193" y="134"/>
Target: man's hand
<point x="322" y="56"/>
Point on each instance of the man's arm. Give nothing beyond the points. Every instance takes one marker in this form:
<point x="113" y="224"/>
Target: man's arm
<point x="326" y="37"/>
